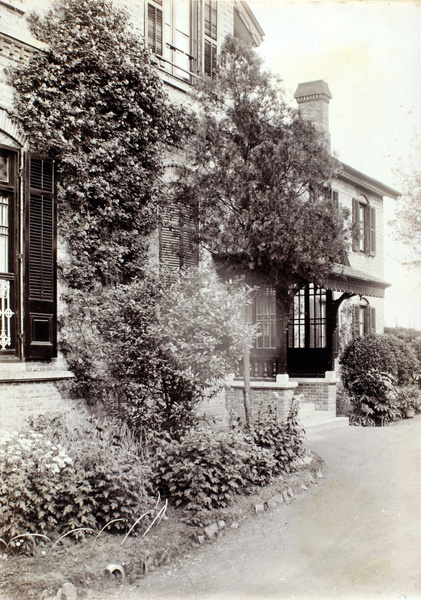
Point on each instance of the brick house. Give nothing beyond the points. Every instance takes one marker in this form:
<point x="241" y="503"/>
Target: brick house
<point x="185" y="37"/>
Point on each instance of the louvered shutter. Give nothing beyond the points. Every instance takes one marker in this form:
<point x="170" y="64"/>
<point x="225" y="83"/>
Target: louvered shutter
<point x="366" y="229"/>
<point x="178" y="247"/>
<point x="355" y="223"/>
<point x="372" y="231"/>
<point x="170" y="238"/>
<point x="210" y="58"/>
<point x="372" y="319"/>
<point x="189" y="249"/>
<point x="356" y="321"/>
<point x="155" y="38"/>
<point x="211" y="18"/>
<point x="40" y="279"/>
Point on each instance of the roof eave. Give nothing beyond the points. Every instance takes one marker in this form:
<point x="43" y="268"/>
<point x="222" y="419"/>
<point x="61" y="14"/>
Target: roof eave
<point x="373" y="185"/>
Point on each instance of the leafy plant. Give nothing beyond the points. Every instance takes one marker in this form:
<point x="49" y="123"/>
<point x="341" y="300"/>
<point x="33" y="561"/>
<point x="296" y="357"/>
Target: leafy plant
<point x="377" y="401"/>
<point x="175" y="335"/>
<point x="206" y="469"/>
<point x="41" y="489"/>
<point x="93" y="102"/>
<point x="285" y="439"/>
<point x="119" y="481"/>
<point x="409" y="396"/>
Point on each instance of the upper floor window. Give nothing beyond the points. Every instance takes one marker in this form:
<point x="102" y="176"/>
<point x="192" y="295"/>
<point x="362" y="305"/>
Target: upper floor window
<point x="364" y="221"/>
<point x="155" y="30"/>
<point x="211" y="18"/>
<point x="210" y="48"/>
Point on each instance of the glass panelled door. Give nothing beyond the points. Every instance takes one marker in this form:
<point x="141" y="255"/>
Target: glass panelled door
<point x="309" y="347"/>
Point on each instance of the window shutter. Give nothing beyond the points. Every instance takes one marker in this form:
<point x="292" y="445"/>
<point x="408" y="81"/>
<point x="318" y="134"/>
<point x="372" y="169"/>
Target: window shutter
<point x="211" y="18"/>
<point x="355" y="223"/>
<point x="372" y="319"/>
<point x="170" y="238"/>
<point x="367" y="230"/>
<point x="40" y="282"/>
<point x="372" y="231"/>
<point x="210" y="58"/>
<point x="189" y="248"/>
<point x="155" y="38"/>
<point x="356" y="321"/>
<point x="178" y="247"/>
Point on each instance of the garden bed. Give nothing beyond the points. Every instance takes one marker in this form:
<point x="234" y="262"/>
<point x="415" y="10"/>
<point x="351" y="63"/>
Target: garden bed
<point x="84" y="563"/>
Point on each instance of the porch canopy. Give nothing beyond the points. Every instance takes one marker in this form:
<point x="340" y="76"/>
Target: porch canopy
<point x="344" y="278"/>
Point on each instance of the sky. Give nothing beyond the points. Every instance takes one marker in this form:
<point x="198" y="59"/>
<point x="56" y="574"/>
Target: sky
<point x="369" y="53"/>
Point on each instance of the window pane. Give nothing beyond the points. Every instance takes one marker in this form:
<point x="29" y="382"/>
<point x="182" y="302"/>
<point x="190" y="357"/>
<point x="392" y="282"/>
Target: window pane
<point x="266" y="317"/>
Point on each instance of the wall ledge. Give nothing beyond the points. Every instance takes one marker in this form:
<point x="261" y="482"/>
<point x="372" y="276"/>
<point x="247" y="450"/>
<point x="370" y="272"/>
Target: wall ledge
<point x="16" y="377"/>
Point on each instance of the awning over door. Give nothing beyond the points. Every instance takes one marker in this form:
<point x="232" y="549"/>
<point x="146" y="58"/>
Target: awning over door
<point x="347" y="279"/>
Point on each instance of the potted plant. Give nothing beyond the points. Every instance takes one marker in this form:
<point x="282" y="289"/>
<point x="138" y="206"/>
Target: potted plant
<point x="410" y="400"/>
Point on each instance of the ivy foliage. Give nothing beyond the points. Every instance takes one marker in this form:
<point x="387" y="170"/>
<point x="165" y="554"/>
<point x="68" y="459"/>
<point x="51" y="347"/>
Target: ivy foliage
<point x="259" y="178"/>
<point x="93" y="102"/>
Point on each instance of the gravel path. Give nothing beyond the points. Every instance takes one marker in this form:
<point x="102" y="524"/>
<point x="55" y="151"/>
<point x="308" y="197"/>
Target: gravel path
<point x="355" y="535"/>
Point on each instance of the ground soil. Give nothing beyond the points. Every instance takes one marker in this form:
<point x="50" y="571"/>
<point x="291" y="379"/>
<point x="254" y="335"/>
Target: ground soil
<point x="84" y="563"/>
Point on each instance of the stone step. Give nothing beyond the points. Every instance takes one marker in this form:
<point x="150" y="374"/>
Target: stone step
<point x="326" y="423"/>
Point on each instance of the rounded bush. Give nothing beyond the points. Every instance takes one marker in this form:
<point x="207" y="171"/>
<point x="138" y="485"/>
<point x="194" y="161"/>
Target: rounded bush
<point x="381" y="353"/>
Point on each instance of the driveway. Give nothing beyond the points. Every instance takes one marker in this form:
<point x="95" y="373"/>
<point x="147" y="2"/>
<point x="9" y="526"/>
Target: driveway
<point x="355" y="535"/>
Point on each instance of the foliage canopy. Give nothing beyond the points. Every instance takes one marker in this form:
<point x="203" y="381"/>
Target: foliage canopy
<point x="93" y="102"/>
<point x="259" y="178"/>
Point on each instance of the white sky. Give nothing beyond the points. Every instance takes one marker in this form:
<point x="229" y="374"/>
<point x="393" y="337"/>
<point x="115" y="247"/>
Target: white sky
<point x="370" y="55"/>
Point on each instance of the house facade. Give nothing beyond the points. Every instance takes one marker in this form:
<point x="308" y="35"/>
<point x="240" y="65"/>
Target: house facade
<point x="185" y="37"/>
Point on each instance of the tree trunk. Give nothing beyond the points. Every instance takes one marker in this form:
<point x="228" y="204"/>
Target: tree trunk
<point x="247" y="387"/>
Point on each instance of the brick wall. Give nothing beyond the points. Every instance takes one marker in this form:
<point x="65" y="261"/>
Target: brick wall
<point x="320" y="391"/>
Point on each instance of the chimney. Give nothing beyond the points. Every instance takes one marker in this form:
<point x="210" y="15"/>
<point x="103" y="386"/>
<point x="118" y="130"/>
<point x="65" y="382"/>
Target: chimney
<point x="313" y="99"/>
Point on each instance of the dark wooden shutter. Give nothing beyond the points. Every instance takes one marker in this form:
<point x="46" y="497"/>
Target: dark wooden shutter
<point x="189" y="248"/>
<point x="356" y="321"/>
<point x="155" y="37"/>
<point x="178" y="246"/>
<point x="40" y="283"/>
<point x="372" y="319"/>
<point x="366" y="232"/>
<point x="355" y="224"/>
<point x="211" y="18"/>
<point x="210" y="58"/>
<point x="372" y="231"/>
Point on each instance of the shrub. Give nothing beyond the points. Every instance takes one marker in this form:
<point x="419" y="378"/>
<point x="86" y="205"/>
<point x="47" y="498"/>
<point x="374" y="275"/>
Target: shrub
<point x="284" y="440"/>
<point x="377" y="401"/>
<point x="206" y="469"/>
<point x="41" y="489"/>
<point x="381" y="353"/>
<point x="148" y="351"/>
<point x="118" y="480"/>
<point x="407" y="363"/>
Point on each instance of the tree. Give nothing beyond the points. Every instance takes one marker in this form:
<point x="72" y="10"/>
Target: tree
<point x="407" y="222"/>
<point x="149" y="351"/>
<point x="93" y="102"/>
<point x="260" y="181"/>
